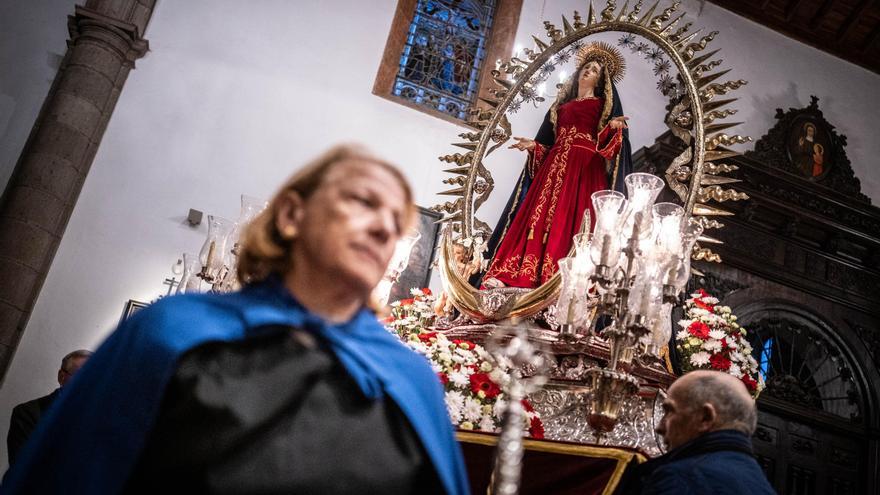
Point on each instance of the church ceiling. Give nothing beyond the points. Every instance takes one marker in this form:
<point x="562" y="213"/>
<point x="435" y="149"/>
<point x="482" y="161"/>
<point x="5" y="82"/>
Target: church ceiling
<point x="849" y="29"/>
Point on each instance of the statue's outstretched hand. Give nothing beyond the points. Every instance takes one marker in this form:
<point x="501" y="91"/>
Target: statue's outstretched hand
<point x="523" y="144"/>
<point x="618" y="122"/>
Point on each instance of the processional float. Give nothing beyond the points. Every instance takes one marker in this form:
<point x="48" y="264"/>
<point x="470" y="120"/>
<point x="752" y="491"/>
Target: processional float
<point x="602" y="386"/>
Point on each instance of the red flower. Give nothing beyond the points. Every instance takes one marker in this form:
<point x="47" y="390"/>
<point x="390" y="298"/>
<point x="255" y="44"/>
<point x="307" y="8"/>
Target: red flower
<point x="443" y="378"/>
<point x="699" y="329"/>
<point x="701" y="304"/>
<point x="751" y="384"/>
<point x="468" y="344"/>
<point x="426" y="337"/>
<point x="703" y="293"/>
<point x="407" y="302"/>
<point x="536" y="428"/>
<point x="724" y="344"/>
<point x="527" y="406"/>
<point x="480" y="382"/>
<point x="387" y="320"/>
<point x="719" y="362"/>
<point x="426" y="291"/>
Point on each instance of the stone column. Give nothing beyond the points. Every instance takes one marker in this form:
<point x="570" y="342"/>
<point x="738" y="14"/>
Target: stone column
<point x="106" y="37"/>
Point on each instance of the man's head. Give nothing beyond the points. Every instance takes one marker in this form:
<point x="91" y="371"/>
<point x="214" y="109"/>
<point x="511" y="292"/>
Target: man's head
<point x="704" y="401"/>
<point x="71" y="364"/>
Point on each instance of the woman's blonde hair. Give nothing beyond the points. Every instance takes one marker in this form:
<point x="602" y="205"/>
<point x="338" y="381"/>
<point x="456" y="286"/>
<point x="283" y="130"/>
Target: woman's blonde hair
<point x="263" y="250"/>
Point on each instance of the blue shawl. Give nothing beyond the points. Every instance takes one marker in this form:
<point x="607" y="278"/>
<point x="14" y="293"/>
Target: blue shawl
<point x="91" y="439"/>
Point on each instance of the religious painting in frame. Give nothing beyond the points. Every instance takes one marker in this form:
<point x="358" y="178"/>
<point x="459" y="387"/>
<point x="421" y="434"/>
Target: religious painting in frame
<point x="421" y="258"/>
<point x="809" y="146"/>
<point x="132" y="307"/>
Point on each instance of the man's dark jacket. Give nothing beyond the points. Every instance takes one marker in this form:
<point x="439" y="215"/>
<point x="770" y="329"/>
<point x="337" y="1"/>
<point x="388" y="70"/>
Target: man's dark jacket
<point x="24" y="421"/>
<point x="717" y="463"/>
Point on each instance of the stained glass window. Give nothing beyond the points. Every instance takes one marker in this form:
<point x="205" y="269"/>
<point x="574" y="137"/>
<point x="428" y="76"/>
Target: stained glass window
<point x="444" y="51"/>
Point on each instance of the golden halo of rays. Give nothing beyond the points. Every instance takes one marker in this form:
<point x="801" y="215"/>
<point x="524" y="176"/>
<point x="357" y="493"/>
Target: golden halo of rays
<point x="608" y="56"/>
<point x="696" y="175"/>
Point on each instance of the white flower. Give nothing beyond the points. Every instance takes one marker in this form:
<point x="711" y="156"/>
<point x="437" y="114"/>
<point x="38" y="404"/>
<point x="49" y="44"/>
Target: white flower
<point x="487" y="423"/>
<point x="712" y="345"/>
<point x="498" y="408"/>
<point x="472" y="410"/>
<point x="710" y="300"/>
<point x="485" y="366"/>
<point x="444" y="357"/>
<point x="735" y="370"/>
<point x="733" y="343"/>
<point x="737" y="357"/>
<point x="458" y="379"/>
<point x="454" y="404"/>
<point x="700" y="358"/>
<point x="682" y="335"/>
<point x="717" y="334"/>
<point x="684" y="323"/>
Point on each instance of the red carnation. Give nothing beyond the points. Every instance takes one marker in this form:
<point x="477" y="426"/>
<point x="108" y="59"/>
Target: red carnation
<point x="426" y="337"/>
<point x="703" y="293"/>
<point x="468" y="344"/>
<point x="407" y="302"/>
<point x="536" y="428"/>
<point x="719" y="362"/>
<point x="701" y="304"/>
<point x="480" y="382"/>
<point x="443" y="378"/>
<point x="426" y="291"/>
<point x="751" y="384"/>
<point x="699" y="329"/>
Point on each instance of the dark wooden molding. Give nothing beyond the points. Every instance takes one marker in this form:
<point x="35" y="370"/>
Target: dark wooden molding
<point x="847" y="29"/>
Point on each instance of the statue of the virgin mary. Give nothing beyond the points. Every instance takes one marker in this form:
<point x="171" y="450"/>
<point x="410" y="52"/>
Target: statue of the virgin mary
<point x="582" y="147"/>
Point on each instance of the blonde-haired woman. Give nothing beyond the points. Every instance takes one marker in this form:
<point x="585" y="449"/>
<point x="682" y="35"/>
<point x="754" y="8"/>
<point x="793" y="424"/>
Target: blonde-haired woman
<point x="288" y="386"/>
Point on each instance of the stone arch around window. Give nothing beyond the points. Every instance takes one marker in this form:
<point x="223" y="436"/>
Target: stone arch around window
<point x="456" y="78"/>
<point x="809" y="364"/>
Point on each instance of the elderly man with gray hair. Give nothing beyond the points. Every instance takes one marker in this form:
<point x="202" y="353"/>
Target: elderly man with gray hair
<point x="708" y="423"/>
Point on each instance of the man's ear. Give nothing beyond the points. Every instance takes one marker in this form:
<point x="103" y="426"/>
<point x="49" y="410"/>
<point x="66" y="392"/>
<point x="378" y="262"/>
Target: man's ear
<point x="707" y="416"/>
<point x="289" y="214"/>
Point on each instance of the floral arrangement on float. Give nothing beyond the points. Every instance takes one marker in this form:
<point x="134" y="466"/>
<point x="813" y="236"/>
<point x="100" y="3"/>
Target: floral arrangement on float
<point x="472" y="379"/>
<point x="711" y="339"/>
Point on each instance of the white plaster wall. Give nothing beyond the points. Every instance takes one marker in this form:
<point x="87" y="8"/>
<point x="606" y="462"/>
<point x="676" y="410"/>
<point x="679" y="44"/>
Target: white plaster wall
<point x="234" y="96"/>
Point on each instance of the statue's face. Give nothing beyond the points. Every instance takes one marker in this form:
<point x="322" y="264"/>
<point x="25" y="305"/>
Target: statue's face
<point x="589" y="75"/>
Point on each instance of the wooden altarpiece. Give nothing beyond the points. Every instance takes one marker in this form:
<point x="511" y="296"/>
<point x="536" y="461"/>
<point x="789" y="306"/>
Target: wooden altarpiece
<point x="801" y="269"/>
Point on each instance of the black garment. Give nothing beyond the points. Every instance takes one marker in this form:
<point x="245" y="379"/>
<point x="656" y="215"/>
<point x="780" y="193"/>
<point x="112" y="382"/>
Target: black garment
<point x="718" y="463"/>
<point x="277" y="414"/>
<point x="24" y="421"/>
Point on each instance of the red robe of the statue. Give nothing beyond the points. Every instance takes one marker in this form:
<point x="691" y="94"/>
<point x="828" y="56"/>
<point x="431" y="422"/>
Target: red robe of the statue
<point x="564" y="178"/>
